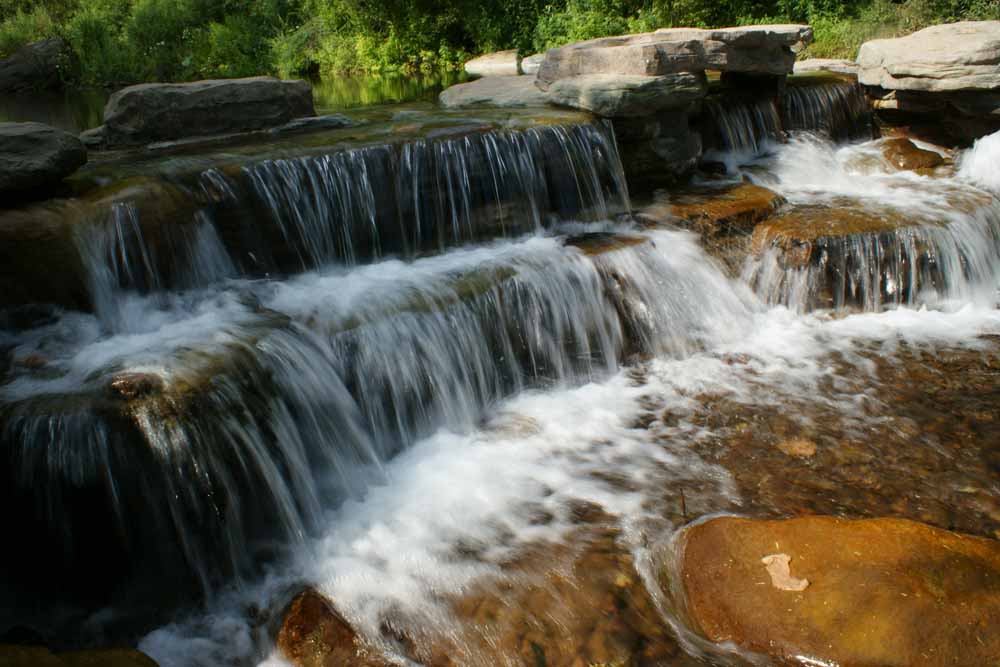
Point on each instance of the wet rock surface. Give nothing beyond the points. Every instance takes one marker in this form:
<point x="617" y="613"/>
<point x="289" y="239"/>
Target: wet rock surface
<point x="35" y="156"/>
<point x="867" y="593"/>
<point x="314" y="634"/>
<point x="152" y="112"/>
<point x="37" y="656"/>
<point x="904" y="154"/>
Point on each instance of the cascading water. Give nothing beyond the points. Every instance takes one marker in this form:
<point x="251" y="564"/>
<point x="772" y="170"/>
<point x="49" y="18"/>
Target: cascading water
<point x="861" y="234"/>
<point x="389" y="372"/>
<point x="828" y="106"/>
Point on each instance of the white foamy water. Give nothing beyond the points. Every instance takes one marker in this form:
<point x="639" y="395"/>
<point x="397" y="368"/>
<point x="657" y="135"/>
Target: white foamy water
<point x="981" y="164"/>
<point x="397" y="554"/>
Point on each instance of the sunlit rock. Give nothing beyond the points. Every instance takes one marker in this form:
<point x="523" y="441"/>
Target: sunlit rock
<point x="904" y="154"/>
<point x="760" y="49"/>
<point x="314" y="634"/>
<point x="501" y="63"/>
<point x="832" y="65"/>
<point x="880" y="592"/>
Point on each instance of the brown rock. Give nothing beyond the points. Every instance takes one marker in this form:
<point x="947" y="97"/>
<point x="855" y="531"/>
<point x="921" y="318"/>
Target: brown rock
<point x="718" y="210"/>
<point x="881" y="591"/>
<point x="904" y="154"/>
<point x="314" y="634"/>
<point x="136" y="385"/>
<point x="27" y="656"/>
<point x="800" y="447"/>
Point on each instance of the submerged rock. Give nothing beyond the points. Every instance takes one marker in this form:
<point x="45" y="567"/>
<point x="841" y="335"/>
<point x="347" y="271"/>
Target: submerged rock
<point x="495" y="91"/>
<point x="314" y="634"/>
<point x="615" y="95"/>
<point x="880" y="591"/>
<point x="33" y="155"/>
<point x="500" y="63"/>
<point x="153" y="112"/>
<point x="35" y="66"/>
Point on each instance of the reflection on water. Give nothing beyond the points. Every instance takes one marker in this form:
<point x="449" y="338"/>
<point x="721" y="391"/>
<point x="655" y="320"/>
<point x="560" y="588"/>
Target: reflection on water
<point x="346" y="92"/>
<point x="81" y="109"/>
<point x="71" y="110"/>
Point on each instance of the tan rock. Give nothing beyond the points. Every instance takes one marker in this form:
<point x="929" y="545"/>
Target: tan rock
<point x="800" y="447"/>
<point x="494" y="91"/>
<point x="832" y="65"/>
<point x="956" y="56"/>
<point x="758" y="49"/>
<point x="500" y="63"/>
<point x="881" y="591"/>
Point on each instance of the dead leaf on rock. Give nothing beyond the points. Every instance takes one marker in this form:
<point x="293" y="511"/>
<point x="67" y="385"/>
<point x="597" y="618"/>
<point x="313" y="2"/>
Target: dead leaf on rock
<point x="781" y="573"/>
<point x="800" y="447"/>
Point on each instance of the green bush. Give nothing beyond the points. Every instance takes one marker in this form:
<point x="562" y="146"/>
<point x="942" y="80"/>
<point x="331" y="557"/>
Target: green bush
<point x="22" y="27"/>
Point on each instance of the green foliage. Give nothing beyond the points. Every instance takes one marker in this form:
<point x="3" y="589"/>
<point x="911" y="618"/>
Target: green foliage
<point x="23" y="26"/>
<point x="125" y="41"/>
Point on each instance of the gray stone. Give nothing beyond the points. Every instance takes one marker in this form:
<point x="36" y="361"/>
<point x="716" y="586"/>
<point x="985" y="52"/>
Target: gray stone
<point x="942" y="58"/>
<point x="496" y="91"/>
<point x="531" y="64"/>
<point x="33" y="155"/>
<point x="756" y="49"/>
<point x="36" y="66"/>
<point x="657" y="150"/>
<point x="154" y="112"/>
<point x="334" y="121"/>
<point x="832" y="65"/>
<point x="617" y="96"/>
<point x="501" y="63"/>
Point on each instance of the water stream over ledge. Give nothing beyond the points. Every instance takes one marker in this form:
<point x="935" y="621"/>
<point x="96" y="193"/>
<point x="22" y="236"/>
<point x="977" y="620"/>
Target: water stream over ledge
<point x="413" y="373"/>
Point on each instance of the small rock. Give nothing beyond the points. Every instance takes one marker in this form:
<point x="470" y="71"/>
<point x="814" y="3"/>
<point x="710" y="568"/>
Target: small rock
<point x="136" y="385"/>
<point x="800" y="447"/>
<point x="531" y="64"/>
<point x="34" y="361"/>
<point x="904" y="154"/>
<point x="314" y="634"/>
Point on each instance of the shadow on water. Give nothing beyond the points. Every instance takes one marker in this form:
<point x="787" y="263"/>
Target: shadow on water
<point x="80" y="109"/>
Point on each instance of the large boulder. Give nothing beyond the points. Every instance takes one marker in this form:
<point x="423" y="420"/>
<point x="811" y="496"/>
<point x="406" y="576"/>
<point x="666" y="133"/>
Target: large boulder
<point x="496" y="91"/>
<point x="767" y="49"/>
<point x="863" y="593"/>
<point x="33" y="156"/>
<point x="35" y="66"/>
<point x="501" y="63"/>
<point x="942" y="58"/>
<point x="615" y="95"/>
<point x="153" y="112"/>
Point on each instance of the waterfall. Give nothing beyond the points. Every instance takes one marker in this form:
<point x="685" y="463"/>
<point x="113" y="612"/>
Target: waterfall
<point x="827" y="106"/>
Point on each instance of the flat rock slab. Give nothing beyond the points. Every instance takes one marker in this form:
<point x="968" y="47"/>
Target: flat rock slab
<point x="716" y="211"/>
<point x="500" y="63"/>
<point x="33" y="155"/>
<point x="153" y="112"/>
<point x="942" y="58"/>
<point x="754" y="49"/>
<point x="832" y="65"/>
<point x="494" y="91"/>
<point x="622" y="96"/>
<point x="873" y="592"/>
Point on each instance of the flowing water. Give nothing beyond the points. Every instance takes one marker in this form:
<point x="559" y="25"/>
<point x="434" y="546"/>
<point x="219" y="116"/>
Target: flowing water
<point x="393" y="372"/>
